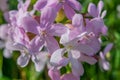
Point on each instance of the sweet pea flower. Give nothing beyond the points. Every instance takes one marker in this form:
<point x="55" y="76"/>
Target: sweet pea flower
<point x="97" y="11"/>
<point x="104" y="64"/>
<point x="69" y="6"/>
<point x="45" y="29"/>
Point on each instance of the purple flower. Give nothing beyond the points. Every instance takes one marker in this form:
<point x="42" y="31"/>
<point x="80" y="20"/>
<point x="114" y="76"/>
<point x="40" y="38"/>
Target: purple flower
<point x="69" y="6"/>
<point x="90" y="39"/>
<point x="97" y="11"/>
<point x="45" y="30"/>
<point x="15" y="16"/>
<point x="5" y="41"/>
<point x="102" y="61"/>
<point x="96" y="26"/>
<point x="74" y="50"/>
<point x="28" y="49"/>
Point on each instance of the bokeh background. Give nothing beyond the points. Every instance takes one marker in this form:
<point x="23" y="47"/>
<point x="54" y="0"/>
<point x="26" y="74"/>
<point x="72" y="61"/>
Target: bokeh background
<point x="9" y="70"/>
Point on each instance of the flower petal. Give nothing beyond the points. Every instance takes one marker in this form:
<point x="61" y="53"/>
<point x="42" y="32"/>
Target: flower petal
<point x="7" y="53"/>
<point x="57" y="57"/>
<point x="65" y="37"/>
<point x="100" y="7"/>
<point x="40" y="61"/>
<point x="48" y="16"/>
<point x="77" y="20"/>
<point x="88" y="59"/>
<point x="84" y="49"/>
<point x="58" y="29"/>
<point x="51" y="44"/>
<point x="106" y="65"/>
<point x="108" y="48"/>
<point x="74" y="4"/>
<point x="23" y="59"/>
<point x="36" y="44"/>
<point x="92" y="10"/>
<point x="54" y="74"/>
<point x="29" y="24"/>
<point x="40" y="4"/>
<point x="69" y="76"/>
<point x="75" y="54"/>
<point x="77" y="68"/>
<point x="103" y="14"/>
<point x="69" y="11"/>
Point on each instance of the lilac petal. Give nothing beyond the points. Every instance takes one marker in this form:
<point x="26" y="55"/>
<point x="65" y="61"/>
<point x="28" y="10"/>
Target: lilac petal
<point x="75" y="54"/>
<point x="96" y="26"/>
<point x="69" y="11"/>
<point x="54" y="74"/>
<point x="65" y="37"/>
<point x="84" y="49"/>
<point x="74" y="42"/>
<point x="94" y="43"/>
<point x="7" y="53"/>
<point x="20" y="36"/>
<point x="100" y="7"/>
<point x="103" y="14"/>
<point x="77" y="68"/>
<point x="6" y="16"/>
<point x="58" y="29"/>
<point x="74" y="4"/>
<point x="17" y="46"/>
<point x="92" y="10"/>
<point x="40" y="4"/>
<point x="88" y="59"/>
<point x="102" y="56"/>
<point x="77" y="20"/>
<point x="57" y="57"/>
<point x="40" y="61"/>
<point x="3" y="31"/>
<point x="11" y="45"/>
<point x="54" y="4"/>
<point x="51" y="43"/>
<point x="29" y="24"/>
<point x="23" y="60"/>
<point x="26" y="4"/>
<point x="74" y="33"/>
<point x="108" y="48"/>
<point x="106" y="65"/>
<point x="104" y="30"/>
<point x="48" y="16"/>
<point x="36" y="44"/>
<point x="69" y="76"/>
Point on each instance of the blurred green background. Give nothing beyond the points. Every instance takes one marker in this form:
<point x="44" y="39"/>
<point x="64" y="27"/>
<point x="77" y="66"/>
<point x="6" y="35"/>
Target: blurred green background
<point x="9" y="70"/>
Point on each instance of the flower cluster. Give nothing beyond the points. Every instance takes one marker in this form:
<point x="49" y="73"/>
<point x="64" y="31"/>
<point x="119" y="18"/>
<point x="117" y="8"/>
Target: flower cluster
<point x="43" y="39"/>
